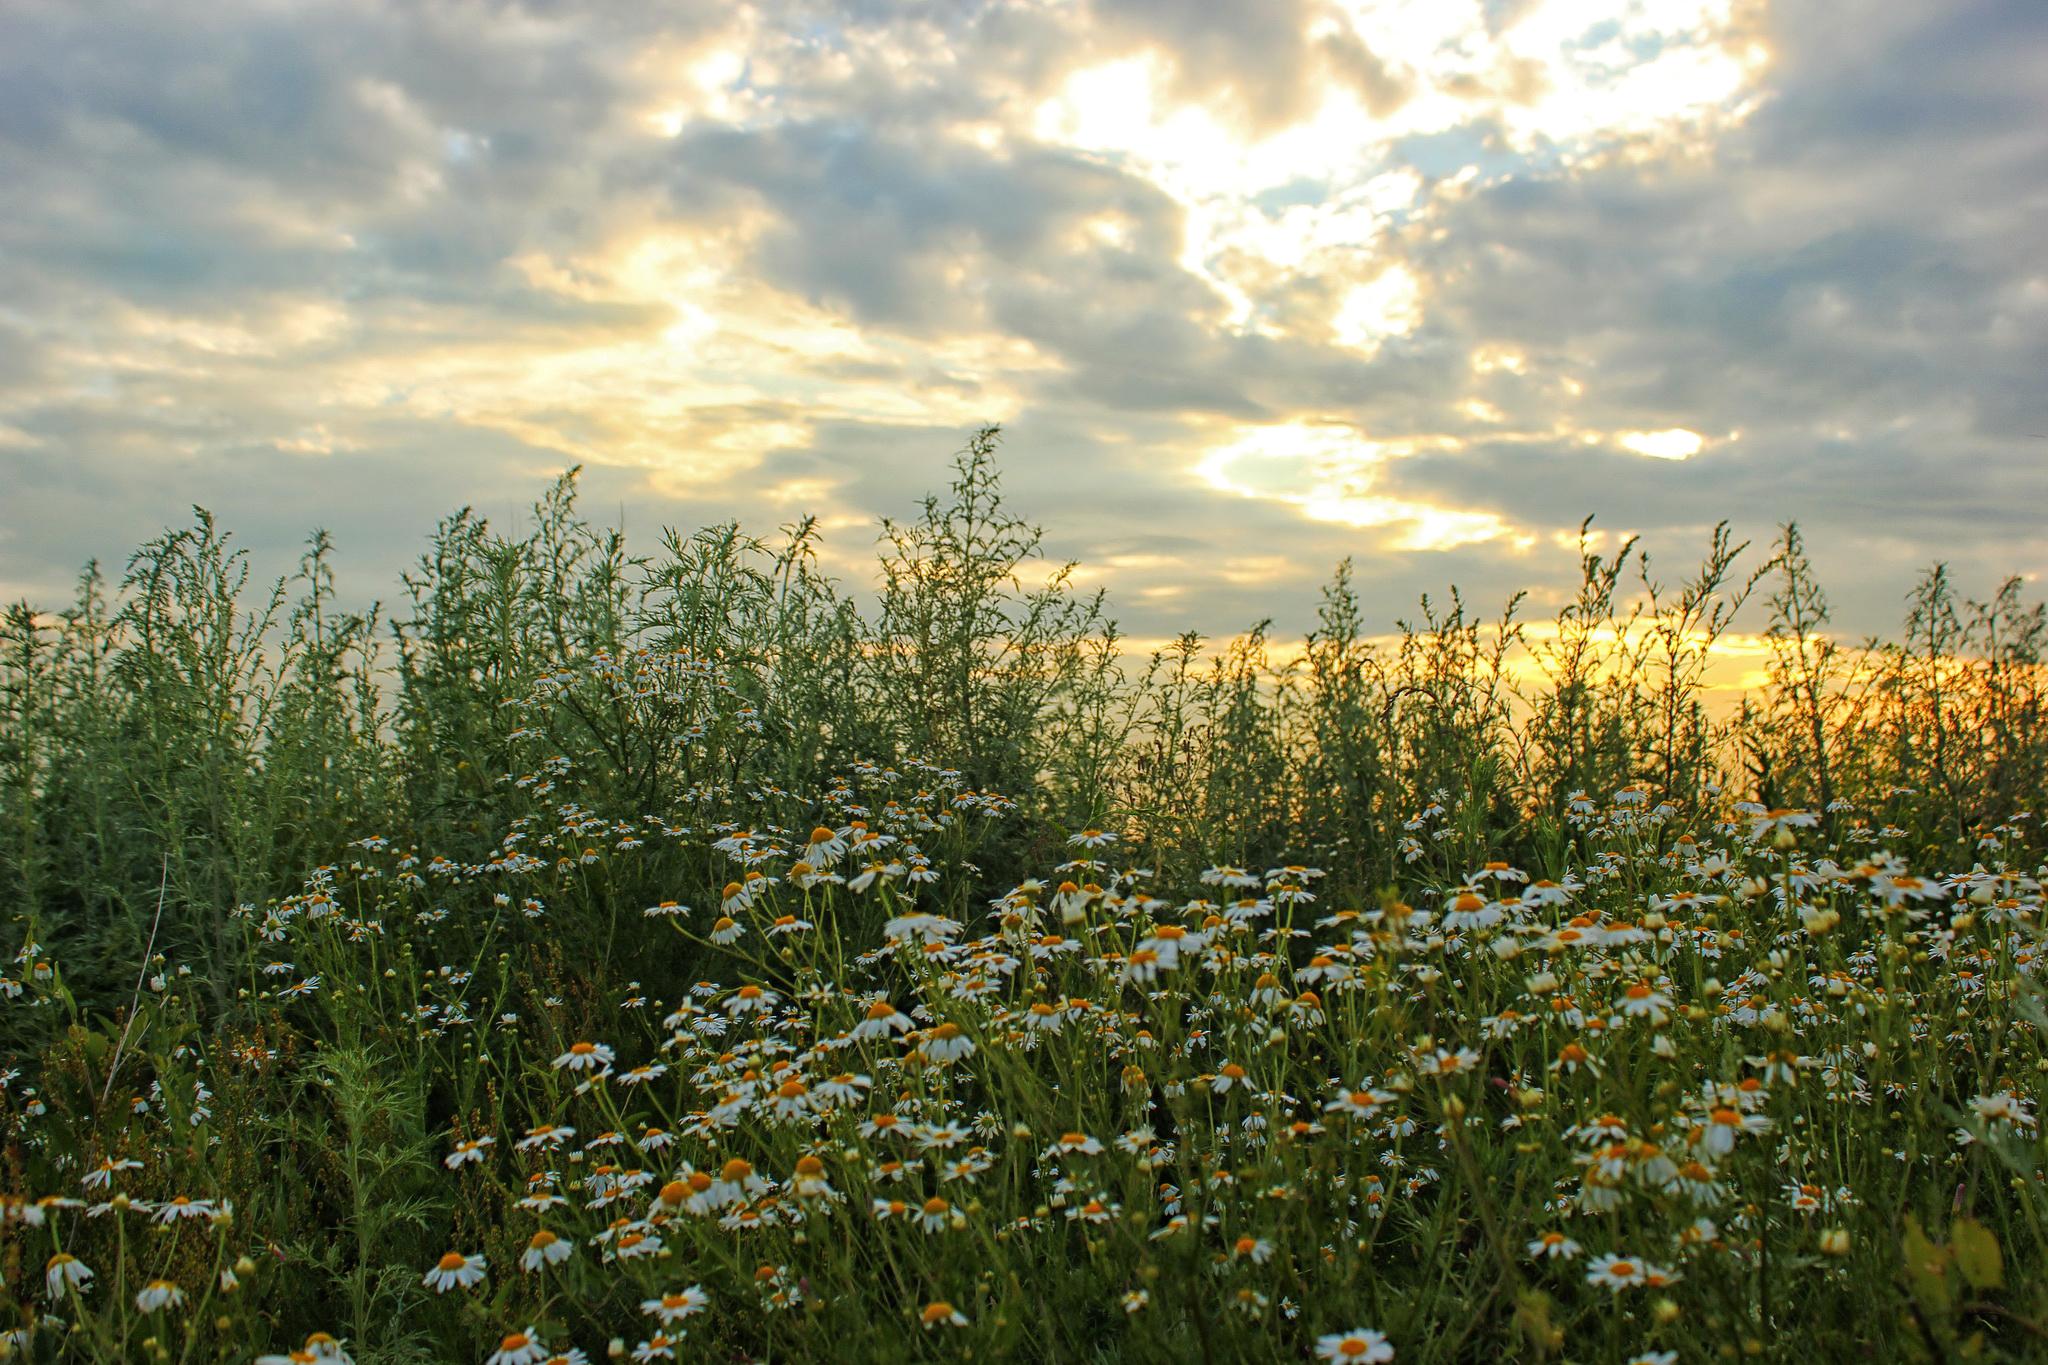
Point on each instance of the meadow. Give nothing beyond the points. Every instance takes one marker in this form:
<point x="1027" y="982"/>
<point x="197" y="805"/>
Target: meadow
<point x="687" y="956"/>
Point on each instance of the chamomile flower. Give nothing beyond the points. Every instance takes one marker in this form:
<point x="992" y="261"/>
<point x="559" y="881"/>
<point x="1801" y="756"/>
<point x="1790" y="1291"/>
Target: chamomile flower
<point x="455" y="1271"/>
<point x="544" y="1249"/>
<point x="320" y="1349"/>
<point x="1257" y="1250"/>
<point x="1359" y="1346"/>
<point x="1362" y="1103"/>
<point x="880" y="1019"/>
<point x="1073" y="1143"/>
<point x="677" y="1305"/>
<point x="180" y="1207"/>
<point x="938" y="1214"/>
<point x="468" y="1150"/>
<point x="1724" y="1123"/>
<point x="946" y="1042"/>
<point x="102" y="1175"/>
<point x="523" y="1347"/>
<point x="751" y="999"/>
<point x="1228" y="1075"/>
<point x="1616" y="1272"/>
<point x="65" y="1274"/>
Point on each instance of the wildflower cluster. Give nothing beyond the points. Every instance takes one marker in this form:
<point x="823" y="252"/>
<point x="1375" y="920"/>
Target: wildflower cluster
<point x="1674" y="1090"/>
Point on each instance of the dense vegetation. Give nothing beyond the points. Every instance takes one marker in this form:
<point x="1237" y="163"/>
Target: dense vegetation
<point x="609" y="946"/>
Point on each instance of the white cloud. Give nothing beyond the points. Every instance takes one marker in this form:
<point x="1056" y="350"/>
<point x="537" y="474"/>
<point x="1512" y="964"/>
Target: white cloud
<point x="1673" y="443"/>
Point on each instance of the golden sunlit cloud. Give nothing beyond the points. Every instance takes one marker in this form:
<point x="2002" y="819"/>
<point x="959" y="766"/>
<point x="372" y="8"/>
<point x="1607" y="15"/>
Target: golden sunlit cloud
<point x="1388" y="305"/>
<point x="722" y="345"/>
<point x="1327" y="471"/>
<point x="746" y="253"/>
<point x="1675" y="443"/>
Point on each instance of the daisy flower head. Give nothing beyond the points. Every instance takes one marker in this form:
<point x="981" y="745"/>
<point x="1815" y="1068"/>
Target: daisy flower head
<point x="946" y="1043"/>
<point x="1143" y="965"/>
<point x="1074" y="1142"/>
<point x="65" y="1274"/>
<point x="1257" y="1250"/>
<point x="548" y="1135"/>
<point x="810" y="1181"/>
<point x="825" y="848"/>
<point x="320" y="1349"/>
<point x="751" y="999"/>
<point x="880" y="1019"/>
<point x="1615" y="1272"/>
<point x="2003" y="1108"/>
<point x="1716" y="1136"/>
<point x="939" y="1312"/>
<point x="1553" y="1246"/>
<point x="523" y="1347"/>
<point x="677" y="1305"/>
<point x="1228" y="1075"/>
<point x="937" y="1215"/>
<point x="1774" y="822"/>
<point x="183" y="1206"/>
<point x="545" y="1249"/>
<point x="1363" y="1103"/>
<point x="454" y="1271"/>
<point x="103" y="1174"/>
<point x="1445" y="1062"/>
<point x="736" y="1181"/>
<point x="467" y="1150"/>
<point x="1359" y="1346"/>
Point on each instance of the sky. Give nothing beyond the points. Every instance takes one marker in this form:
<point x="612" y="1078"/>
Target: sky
<point x="1251" y="285"/>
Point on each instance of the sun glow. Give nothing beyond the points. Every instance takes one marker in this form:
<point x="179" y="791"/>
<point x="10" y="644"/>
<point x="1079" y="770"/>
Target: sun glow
<point x="1328" y="472"/>
<point x="1388" y="305"/>
<point x="1676" y="443"/>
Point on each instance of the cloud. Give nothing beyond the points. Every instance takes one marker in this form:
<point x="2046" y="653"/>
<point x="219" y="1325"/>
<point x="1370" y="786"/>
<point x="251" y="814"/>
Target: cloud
<point x="1253" y="286"/>
<point x="1246" y="58"/>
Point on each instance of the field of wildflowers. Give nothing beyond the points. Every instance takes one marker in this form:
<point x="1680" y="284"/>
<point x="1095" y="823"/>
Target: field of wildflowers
<point x="686" y="958"/>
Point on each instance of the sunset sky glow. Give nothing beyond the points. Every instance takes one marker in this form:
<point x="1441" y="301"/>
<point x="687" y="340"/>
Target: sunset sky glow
<point x="1252" y="285"/>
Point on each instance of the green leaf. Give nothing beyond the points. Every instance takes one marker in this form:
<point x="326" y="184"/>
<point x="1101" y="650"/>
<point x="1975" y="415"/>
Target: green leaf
<point x="1976" y="1254"/>
<point x="1927" y="1269"/>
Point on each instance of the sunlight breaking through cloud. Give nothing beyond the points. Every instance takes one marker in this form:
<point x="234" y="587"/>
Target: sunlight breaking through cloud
<point x="1675" y="443"/>
<point x="1366" y="276"/>
<point x="1328" y="472"/>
